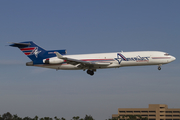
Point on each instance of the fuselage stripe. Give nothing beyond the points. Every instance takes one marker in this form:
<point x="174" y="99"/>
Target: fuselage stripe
<point x="97" y="59"/>
<point x="161" y="57"/>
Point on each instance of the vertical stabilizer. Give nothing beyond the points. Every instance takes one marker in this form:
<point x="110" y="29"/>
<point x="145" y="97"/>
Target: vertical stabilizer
<point x="35" y="52"/>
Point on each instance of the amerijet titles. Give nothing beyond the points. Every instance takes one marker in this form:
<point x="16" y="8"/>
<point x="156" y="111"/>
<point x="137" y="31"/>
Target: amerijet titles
<point x="121" y="58"/>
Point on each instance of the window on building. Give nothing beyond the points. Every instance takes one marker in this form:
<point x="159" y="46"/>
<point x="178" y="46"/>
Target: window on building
<point x="175" y="119"/>
<point x="152" y="115"/>
<point x="162" y="107"/>
<point x="122" y="111"/>
<point x="168" y="119"/>
<point x="176" y="115"/>
<point x="161" y="115"/>
<point x="152" y="119"/>
<point x="168" y="115"/>
<point x="161" y="111"/>
<point x="144" y="111"/>
<point x="129" y="111"/>
<point x="144" y="115"/>
<point x="168" y="111"/>
<point x="136" y="111"/>
<point x="152" y="111"/>
<point x="176" y="111"/>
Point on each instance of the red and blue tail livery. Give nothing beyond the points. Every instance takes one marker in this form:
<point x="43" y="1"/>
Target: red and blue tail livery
<point x="36" y="53"/>
<point x="57" y="59"/>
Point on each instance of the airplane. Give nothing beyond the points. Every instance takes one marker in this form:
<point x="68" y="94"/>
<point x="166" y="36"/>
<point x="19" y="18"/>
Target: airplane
<point x="57" y="59"/>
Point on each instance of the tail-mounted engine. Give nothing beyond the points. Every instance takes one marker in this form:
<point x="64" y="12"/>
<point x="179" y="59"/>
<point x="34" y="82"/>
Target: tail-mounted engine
<point x="52" y="61"/>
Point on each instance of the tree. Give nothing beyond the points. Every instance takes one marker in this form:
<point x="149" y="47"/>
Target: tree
<point x="56" y="118"/>
<point x="129" y="117"/>
<point x="88" y="117"/>
<point x="47" y="118"/>
<point x="113" y="118"/>
<point x="36" y="117"/>
<point x="7" y="116"/>
<point x="62" y="118"/>
<point x="27" y="118"/>
<point x="15" y="117"/>
<point x="132" y="117"/>
<point x="41" y="118"/>
<point x="145" y="118"/>
<point x="1" y="118"/>
<point x="76" y="118"/>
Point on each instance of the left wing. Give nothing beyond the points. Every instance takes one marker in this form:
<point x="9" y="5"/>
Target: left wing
<point x="81" y="64"/>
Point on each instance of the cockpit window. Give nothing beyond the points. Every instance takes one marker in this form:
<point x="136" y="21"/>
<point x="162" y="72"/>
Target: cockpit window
<point x="166" y="54"/>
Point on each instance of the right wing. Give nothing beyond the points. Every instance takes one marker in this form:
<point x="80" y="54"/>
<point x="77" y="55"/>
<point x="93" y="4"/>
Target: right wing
<point x="82" y="64"/>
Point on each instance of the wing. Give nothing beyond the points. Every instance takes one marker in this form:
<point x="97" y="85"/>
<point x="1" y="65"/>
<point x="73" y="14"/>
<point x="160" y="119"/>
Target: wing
<point x="82" y="64"/>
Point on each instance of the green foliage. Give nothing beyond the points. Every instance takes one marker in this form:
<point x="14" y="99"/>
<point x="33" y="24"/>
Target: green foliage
<point x="145" y="118"/>
<point x="129" y="117"/>
<point x="132" y="117"/>
<point x="76" y="118"/>
<point x="9" y="116"/>
<point x="35" y="118"/>
<point x="88" y="117"/>
<point x="113" y="118"/>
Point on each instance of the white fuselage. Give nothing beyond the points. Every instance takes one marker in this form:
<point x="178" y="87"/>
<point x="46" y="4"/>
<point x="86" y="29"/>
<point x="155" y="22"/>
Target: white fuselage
<point x="117" y="59"/>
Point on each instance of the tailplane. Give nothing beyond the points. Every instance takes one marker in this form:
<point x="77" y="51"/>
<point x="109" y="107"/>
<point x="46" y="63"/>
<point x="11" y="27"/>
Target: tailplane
<point x="34" y="52"/>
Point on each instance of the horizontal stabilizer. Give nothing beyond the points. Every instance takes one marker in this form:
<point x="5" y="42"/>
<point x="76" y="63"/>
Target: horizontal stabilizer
<point x="62" y="52"/>
<point x="20" y="45"/>
<point x="59" y="55"/>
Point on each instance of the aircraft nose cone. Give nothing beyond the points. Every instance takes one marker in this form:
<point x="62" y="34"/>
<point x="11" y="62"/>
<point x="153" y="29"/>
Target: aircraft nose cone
<point x="173" y="58"/>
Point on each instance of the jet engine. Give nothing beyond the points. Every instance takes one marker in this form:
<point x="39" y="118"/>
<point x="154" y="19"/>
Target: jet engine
<point x="52" y="61"/>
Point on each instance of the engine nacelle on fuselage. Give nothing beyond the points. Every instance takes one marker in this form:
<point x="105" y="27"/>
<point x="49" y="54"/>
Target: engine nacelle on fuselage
<point x="53" y="61"/>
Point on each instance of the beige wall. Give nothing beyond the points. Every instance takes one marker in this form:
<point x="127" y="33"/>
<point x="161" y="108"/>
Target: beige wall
<point x="154" y="112"/>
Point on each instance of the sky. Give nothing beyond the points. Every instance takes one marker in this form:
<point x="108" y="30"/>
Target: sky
<point x="81" y="27"/>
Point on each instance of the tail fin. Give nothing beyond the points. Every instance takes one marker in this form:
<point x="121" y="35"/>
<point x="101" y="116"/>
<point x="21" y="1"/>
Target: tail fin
<point x="34" y="52"/>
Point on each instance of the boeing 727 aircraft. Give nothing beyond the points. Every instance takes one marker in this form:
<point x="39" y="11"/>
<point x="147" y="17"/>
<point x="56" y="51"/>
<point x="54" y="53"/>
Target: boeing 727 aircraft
<point x="57" y="59"/>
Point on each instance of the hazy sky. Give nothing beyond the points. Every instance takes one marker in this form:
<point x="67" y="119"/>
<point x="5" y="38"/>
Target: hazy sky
<point x="93" y="26"/>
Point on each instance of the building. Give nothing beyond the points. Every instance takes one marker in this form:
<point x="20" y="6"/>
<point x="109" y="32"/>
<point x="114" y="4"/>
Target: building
<point x="154" y="112"/>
